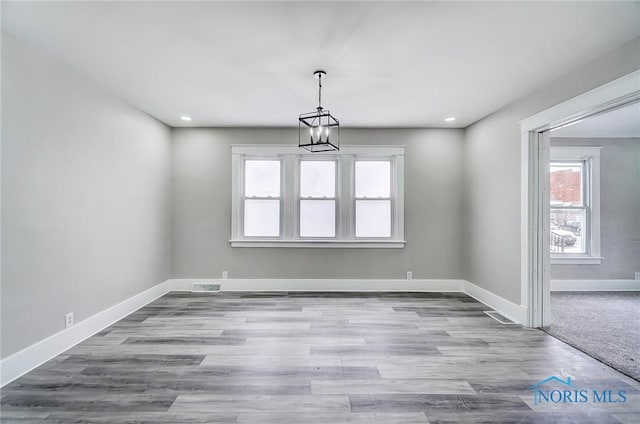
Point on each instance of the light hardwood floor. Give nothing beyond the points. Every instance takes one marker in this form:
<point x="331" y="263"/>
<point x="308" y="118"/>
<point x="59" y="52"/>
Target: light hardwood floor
<point x="314" y="358"/>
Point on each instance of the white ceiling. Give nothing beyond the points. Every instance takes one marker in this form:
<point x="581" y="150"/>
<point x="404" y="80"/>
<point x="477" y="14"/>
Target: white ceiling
<point x="623" y="122"/>
<point x="389" y="64"/>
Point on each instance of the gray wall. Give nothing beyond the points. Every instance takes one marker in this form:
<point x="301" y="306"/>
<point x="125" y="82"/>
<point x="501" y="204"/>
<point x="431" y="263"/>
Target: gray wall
<point x="619" y="210"/>
<point x="202" y="210"/>
<point x="492" y="173"/>
<point x="88" y="218"/>
<point x="85" y="198"/>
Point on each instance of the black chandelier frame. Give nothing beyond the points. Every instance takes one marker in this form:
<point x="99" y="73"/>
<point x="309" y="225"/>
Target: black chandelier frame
<point x="319" y="131"/>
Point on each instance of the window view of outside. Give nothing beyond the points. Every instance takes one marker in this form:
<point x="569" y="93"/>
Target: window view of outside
<point x="569" y="209"/>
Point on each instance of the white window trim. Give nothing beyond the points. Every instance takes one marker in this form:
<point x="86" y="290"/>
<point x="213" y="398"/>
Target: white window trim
<point x="345" y="204"/>
<point x="592" y="156"/>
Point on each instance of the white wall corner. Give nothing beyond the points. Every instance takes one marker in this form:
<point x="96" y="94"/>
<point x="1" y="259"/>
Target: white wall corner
<point x="595" y="285"/>
<point x="37" y="354"/>
<point x="516" y="313"/>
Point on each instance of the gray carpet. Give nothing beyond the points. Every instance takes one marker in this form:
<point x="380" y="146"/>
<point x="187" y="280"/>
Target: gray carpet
<point x="604" y="325"/>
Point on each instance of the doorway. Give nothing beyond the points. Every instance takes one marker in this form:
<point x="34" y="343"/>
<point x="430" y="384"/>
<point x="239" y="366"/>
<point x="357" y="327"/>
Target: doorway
<point x="594" y="228"/>
<point x="535" y="180"/>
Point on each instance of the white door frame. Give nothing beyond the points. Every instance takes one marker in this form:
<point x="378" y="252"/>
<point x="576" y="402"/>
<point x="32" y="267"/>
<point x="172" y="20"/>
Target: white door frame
<point x="534" y="185"/>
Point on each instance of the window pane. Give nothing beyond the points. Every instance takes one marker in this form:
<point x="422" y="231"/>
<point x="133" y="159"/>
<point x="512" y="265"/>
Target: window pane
<point x="569" y="231"/>
<point x="566" y="184"/>
<point x="317" y="218"/>
<point x="373" y="218"/>
<point x="261" y="218"/>
<point x="373" y="179"/>
<point x="262" y="178"/>
<point x="317" y="178"/>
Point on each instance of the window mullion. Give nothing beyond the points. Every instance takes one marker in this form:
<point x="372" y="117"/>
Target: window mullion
<point x="346" y="210"/>
<point x="290" y="184"/>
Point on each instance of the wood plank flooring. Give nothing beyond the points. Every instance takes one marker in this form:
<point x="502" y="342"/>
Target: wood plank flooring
<point x="314" y="358"/>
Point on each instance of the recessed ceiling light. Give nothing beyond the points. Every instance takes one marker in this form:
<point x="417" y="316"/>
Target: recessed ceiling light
<point x="185" y="118"/>
<point x="450" y="119"/>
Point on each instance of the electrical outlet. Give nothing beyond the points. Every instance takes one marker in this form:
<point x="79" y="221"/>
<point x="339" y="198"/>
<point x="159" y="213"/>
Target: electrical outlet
<point x="68" y="320"/>
<point x="637" y="275"/>
<point x="409" y="275"/>
<point x="225" y="275"/>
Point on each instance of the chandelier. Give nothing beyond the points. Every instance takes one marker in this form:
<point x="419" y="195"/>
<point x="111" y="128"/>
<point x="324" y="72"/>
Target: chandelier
<point x="319" y="131"/>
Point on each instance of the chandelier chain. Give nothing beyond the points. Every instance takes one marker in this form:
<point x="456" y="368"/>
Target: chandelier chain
<point x="320" y="91"/>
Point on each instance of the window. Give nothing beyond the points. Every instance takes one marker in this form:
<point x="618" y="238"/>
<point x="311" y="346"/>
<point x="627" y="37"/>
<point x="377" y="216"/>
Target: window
<point x="285" y="198"/>
<point x="317" y="198"/>
<point x="261" y="198"/>
<point x="373" y="198"/>
<point x="574" y="205"/>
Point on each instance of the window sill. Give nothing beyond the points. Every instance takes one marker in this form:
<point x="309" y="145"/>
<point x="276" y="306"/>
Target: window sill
<point x="576" y="260"/>
<point x="335" y="244"/>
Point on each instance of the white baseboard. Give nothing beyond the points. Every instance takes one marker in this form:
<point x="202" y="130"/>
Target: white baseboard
<point x="27" y="359"/>
<point x="516" y="313"/>
<point x="315" y="285"/>
<point x="595" y="285"/>
<point x="37" y="354"/>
